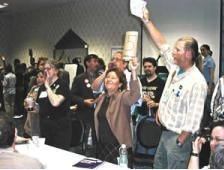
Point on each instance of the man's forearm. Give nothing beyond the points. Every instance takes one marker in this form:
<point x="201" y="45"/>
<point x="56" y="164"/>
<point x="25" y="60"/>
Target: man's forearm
<point x="156" y="35"/>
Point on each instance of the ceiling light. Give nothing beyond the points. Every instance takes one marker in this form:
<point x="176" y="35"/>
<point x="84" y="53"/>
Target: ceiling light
<point x="3" y="5"/>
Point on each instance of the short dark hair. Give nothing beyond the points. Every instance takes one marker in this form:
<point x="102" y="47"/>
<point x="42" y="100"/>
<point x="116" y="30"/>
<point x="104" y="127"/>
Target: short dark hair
<point x="61" y="65"/>
<point x="89" y="57"/>
<point x="217" y="123"/>
<point x="7" y="132"/>
<point x="121" y="76"/>
<point x="150" y="60"/>
<point x="206" y="46"/>
<point x="101" y="63"/>
<point x="8" y="68"/>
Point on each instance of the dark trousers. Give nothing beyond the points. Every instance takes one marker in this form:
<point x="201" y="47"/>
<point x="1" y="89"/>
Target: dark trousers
<point x="56" y="131"/>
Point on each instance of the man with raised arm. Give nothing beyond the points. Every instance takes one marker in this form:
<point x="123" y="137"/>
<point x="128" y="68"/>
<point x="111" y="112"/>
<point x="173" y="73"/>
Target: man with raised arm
<point x="182" y="102"/>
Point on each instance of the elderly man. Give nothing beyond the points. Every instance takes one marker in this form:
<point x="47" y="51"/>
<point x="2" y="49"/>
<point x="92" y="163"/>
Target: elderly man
<point x="182" y="102"/>
<point x="118" y="62"/>
<point x="8" y="155"/>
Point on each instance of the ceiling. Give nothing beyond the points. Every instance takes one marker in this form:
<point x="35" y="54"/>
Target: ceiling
<point x="19" y="6"/>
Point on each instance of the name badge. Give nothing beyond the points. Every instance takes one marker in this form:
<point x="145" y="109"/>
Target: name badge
<point x="43" y="94"/>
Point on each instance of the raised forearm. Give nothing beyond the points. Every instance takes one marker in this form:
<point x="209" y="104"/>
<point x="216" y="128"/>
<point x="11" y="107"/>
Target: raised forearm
<point x="98" y="81"/>
<point x="155" y="34"/>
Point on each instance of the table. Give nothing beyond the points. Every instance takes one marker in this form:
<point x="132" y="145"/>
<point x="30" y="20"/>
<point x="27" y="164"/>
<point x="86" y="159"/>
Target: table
<point x="55" y="158"/>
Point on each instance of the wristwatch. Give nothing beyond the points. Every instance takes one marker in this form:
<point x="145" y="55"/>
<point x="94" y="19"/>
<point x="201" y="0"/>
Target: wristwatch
<point x="194" y="154"/>
<point x="178" y="143"/>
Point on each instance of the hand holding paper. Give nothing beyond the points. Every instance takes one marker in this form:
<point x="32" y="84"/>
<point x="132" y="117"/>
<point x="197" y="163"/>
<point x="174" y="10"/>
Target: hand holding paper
<point x="145" y="17"/>
<point x="130" y="45"/>
<point x="136" y="7"/>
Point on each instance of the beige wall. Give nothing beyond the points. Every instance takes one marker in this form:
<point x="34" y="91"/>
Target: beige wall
<point x="101" y="24"/>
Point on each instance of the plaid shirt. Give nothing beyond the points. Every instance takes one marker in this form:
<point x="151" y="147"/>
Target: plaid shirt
<point x="182" y="103"/>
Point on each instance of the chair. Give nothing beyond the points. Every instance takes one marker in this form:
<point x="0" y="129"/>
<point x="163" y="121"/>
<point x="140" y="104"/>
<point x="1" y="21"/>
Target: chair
<point x="78" y="130"/>
<point x="148" y="135"/>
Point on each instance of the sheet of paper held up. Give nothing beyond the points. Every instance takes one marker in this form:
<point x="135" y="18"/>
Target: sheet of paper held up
<point x="136" y="7"/>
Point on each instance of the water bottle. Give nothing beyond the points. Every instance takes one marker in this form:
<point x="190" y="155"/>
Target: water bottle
<point x="90" y="140"/>
<point x="123" y="152"/>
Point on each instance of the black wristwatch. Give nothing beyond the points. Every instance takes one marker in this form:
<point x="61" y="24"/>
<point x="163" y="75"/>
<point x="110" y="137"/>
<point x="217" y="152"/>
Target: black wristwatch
<point x="178" y="143"/>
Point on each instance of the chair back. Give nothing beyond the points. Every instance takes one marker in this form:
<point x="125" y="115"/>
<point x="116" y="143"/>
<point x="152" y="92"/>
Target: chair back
<point x="148" y="132"/>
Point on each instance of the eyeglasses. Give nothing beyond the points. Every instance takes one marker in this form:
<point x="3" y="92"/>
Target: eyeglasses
<point x="116" y="59"/>
<point x="48" y="68"/>
<point x="216" y="139"/>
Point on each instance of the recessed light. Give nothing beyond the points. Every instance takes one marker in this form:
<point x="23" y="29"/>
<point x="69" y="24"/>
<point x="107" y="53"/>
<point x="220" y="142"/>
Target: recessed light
<point x="3" y="5"/>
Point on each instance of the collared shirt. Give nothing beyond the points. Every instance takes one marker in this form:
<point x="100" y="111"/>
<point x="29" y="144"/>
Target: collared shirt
<point x="182" y="103"/>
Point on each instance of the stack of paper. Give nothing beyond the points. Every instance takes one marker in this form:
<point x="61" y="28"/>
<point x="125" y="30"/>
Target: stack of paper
<point x="136" y="7"/>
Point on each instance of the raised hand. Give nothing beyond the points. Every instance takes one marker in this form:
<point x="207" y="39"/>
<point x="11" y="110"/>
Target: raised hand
<point x="146" y="17"/>
<point x="134" y="63"/>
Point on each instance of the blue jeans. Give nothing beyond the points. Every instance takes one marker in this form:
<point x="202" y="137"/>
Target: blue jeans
<point x="171" y="156"/>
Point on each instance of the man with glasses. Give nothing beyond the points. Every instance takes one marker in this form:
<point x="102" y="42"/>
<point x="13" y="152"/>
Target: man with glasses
<point x="118" y="62"/>
<point x="217" y="138"/>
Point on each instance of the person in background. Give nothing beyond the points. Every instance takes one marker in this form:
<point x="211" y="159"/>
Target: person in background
<point x="208" y="67"/>
<point x="83" y="96"/>
<point x="182" y="103"/>
<point x="208" y="70"/>
<point x="2" y="107"/>
<point x="217" y="138"/>
<point x="9" y="89"/>
<point x="63" y="74"/>
<point x="112" y="113"/>
<point x="80" y="68"/>
<point x="152" y="87"/>
<point x="21" y="91"/>
<point x="2" y="103"/>
<point x="199" y="62"/>
<point x="116" y="62"/>
<point x="10" y="158"/>
<point x="217" y="101"/>
<point x="40" y="66"/>
<point x="31" y="125"/>
<point x="101" y="67"/>
<point x="16" y="63"/>
<point x="54" y="108"/>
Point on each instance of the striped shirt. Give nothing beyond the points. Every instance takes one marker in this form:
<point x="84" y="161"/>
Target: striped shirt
<point x="182" y="103"/>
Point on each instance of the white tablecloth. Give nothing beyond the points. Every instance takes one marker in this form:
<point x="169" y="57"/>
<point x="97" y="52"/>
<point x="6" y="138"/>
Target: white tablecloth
<point x="55" y="158"/>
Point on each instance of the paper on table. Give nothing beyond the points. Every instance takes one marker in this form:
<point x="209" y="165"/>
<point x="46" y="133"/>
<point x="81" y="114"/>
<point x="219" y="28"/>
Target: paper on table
<point x="136" y="7"/>
<point x="89" y="163"/>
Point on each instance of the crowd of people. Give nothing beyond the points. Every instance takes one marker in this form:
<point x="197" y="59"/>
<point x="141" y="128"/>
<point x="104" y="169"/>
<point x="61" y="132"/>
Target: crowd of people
<point x="107" y="97"/>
